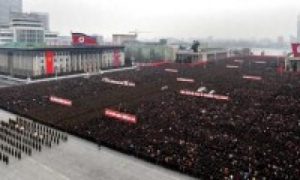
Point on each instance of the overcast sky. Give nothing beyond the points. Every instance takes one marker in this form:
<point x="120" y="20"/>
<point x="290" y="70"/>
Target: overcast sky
<point x="172" y="18"/>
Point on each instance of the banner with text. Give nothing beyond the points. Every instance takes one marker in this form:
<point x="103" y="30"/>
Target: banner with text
<point x="171" y="70"/>
<point x="122" y="83"/>
<point x="254" y="78"/>
<point x="61" y="101"/>
<point x="129" y="118"/>
<point x="185" y="80"/>
<point x="205" y="95"/>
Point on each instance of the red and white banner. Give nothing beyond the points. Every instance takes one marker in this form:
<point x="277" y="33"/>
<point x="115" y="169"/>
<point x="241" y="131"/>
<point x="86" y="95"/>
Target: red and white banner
<point x="232" y="67"/>
<point x="205" y="95"/>
<point x="121" y="116"/>
<point x="260" y="62"/>
<point x="296" y="49"/>
<point x="255" y="78"/>
<point x="61" y="101"/>
<point x="185" y="80"/>
<point x="171" y="70"/>
<point x="122" y="83"/>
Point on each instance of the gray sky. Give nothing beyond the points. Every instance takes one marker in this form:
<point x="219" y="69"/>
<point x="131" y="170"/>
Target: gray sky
<point x="172" y="18"/>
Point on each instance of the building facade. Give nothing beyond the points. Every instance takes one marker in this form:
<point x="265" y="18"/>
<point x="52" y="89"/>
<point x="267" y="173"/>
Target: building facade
<point x="7" y="7"/>
<point x="298" y="28"/>
<point x="51" y="61"/>
<point x="148" y="52"/>
<point x="120" y="39"/>
<point x="204" y="55"/>
<point x="27" y="28"/>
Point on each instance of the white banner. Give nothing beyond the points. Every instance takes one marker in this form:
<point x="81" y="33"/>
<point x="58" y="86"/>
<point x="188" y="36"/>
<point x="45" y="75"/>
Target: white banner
<point x="232" y="67"/>
<point x="260" y="62"/>
<point x="123" y="83"/>
<point x="171" y="70"/>
<point x="255" y="78"/>
<point x="185" y="80"/>
<point x="205" y="95"/>
<point x="239" y="61"/>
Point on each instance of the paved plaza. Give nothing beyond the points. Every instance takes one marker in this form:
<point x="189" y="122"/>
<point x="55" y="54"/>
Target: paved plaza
<point x="78" y="159"/>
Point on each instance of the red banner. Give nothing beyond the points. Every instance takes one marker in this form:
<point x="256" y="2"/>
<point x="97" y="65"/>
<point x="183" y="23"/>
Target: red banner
<point x="117" y="58"/>
<point x="129" y="118"/>
<point x="255" y="78"/>
<point x="64" y="102"/>
<point x="205" y="95"/>
<point x="49" y="63"/>
<point x="296" y="49"/>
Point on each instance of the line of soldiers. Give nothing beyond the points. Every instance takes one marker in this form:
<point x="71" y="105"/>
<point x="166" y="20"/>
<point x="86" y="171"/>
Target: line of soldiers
<point x="25" y="136"/>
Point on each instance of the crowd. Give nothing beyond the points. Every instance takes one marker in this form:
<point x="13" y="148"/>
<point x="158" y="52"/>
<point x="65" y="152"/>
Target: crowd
<point x="254" y="135"/>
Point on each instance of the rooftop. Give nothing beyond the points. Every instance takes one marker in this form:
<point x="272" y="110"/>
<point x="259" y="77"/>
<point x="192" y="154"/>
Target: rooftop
<point x="40" y="47"/>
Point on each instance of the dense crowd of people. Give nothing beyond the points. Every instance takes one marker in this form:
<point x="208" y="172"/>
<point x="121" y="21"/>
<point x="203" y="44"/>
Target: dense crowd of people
<point x="256" y="134"/>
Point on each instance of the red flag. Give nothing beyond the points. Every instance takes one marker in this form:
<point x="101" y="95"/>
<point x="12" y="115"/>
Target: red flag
<point x="296" y="49"/>
<point x="121" y="116"/>
<point x="80" y="39"/>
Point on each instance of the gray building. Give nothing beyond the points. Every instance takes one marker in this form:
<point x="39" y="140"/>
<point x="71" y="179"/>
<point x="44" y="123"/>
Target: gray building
<point x="298" y="28"/>
<point x="203" y="55"/>
<point x="43" y="18"/>
<point x="8" y="6"/>
<point x="27" y="28"/>
<point x="149" y="52"/>
<point x="49" y="61"/>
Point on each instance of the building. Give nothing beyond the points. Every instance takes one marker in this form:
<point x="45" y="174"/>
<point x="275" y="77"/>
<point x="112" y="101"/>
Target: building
<point x="35" y="62"/>
<point x="203" y="55"/>
<point x="7" y="7"/>
<point x="42" y="18"/>
<point x="147" y="52"/>
<point x="292" y="64"/>
<point x="298" y="28"/>
<point x="27" y="28"/>
<point x="120" y="39"/>
<point x="292" y="60"/>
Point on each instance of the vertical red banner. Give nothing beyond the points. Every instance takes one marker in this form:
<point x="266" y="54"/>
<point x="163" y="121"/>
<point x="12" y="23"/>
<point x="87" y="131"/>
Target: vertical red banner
<point x="296" y="49"/>
<point x="117" y="58"/>
<point x="49" y="63"/>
